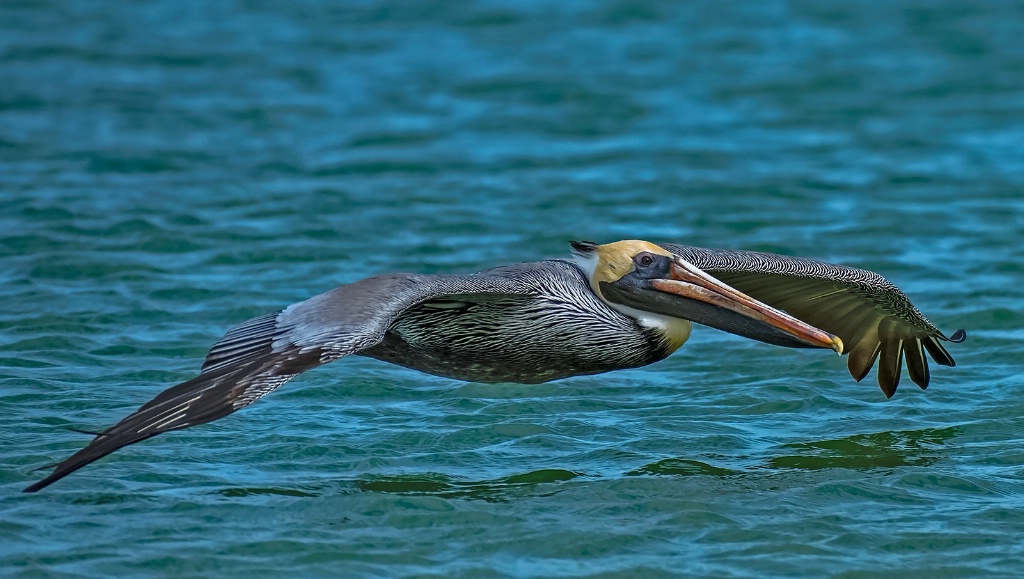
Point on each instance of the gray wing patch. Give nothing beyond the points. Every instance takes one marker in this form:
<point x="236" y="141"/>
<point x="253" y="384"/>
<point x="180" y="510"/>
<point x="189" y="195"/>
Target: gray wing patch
<point x="260" y="355"/>
<point x="246" y="341"/>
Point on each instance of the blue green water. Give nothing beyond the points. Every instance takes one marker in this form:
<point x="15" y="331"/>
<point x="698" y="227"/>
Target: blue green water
<point x="171" y="168"/>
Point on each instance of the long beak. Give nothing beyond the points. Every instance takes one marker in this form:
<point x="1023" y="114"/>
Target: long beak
<point x="701" y="298"/>
<point x="690" y="282"/>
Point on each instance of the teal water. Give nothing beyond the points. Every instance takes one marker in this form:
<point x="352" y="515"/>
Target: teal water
<point x="169" y="169"/>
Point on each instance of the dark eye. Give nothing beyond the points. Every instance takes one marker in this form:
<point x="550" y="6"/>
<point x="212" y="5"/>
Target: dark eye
<point x="645" y="259"/>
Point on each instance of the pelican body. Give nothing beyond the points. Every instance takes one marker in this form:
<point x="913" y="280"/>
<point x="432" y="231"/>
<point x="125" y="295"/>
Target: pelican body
<point x="614" y="306"/>
<point x="522" y="336"/>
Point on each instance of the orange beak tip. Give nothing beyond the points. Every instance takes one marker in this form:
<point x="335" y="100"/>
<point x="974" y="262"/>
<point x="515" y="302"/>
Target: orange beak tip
<point x="837" y="345"/>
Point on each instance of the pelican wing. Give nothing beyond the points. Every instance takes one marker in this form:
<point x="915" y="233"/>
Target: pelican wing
<point x="258" y="356"/>
<point x="873" y="317"/>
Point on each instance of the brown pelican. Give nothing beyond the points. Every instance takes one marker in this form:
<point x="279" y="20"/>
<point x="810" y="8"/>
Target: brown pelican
<point x="614" y="306"/>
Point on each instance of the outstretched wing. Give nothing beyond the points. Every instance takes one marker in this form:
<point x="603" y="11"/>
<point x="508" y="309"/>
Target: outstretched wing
<point x="258" y="356"/>
<point x="872" y="316"/>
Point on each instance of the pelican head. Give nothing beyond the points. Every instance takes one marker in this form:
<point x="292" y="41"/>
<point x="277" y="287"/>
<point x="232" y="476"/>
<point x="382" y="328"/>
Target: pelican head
<point x="664" y="291"/>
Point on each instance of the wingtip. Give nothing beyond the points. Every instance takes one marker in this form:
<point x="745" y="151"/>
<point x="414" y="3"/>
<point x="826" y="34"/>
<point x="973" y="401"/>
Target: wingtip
<point x="958" y="336"/>
<point x="37" y="486"/>
<point x="53" y="477"/>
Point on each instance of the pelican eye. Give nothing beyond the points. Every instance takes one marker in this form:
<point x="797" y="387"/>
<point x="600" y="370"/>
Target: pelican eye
<point x="645" y="259"/>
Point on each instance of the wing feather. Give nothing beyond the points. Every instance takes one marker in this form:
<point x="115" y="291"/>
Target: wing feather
<point x="890" y="360"/>
<point x="873" y="317"/>
<point x="258" y="356"/>
<point x="917" y="364"/>
<point x="938" y="351"/>
<point x="863" y="356"/>
<point x="243" y="342"/>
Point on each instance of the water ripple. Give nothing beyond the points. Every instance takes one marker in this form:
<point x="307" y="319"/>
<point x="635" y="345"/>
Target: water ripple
<point x="169" y="169"/>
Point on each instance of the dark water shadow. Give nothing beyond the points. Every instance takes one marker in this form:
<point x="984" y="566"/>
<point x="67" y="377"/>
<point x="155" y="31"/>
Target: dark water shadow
<point x="867" y="451"/>
<point x="443" y="486"/>
<point x="104" y="499"/>
<point x="681" y="467"/>
<point x="267" y="491"/>
<point x="881" y="450"/>
<point x="426" y="484"/>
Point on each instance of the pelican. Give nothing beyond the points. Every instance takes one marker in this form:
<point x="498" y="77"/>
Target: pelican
<point x="613" y="306"/>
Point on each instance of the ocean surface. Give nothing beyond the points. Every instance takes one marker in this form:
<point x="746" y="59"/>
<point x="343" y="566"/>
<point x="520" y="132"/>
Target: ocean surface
<point x="171" y="168"/>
